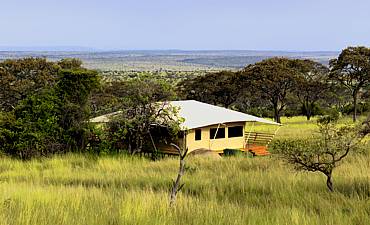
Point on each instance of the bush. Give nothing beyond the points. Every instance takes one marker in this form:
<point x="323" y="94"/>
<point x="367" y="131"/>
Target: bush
<point x="324" y="153"/>
<point x="32" y="129"/>
<point x="232" y="152"/>
<point x="52" y="120"/>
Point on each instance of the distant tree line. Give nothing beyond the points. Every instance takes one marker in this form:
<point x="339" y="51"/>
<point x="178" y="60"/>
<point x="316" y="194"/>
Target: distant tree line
<point x="282" y="86"/>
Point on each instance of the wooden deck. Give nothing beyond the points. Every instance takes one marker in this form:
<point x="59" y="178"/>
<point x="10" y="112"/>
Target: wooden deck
<point x="257" y="150"/>
<point x="257" y="143"/>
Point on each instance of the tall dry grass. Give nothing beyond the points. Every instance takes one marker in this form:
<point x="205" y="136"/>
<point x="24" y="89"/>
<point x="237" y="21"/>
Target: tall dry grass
<point x="78" y="189"/>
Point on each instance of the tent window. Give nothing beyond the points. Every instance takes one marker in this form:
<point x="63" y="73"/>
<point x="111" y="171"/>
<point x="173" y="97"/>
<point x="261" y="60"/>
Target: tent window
<point x="236" y="131"/>
<point x="198" y="134"/>
<point x="220" y="133"/>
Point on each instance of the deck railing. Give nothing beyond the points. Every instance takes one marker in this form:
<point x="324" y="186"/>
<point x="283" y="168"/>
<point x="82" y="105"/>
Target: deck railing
<point x="258" y="138"/>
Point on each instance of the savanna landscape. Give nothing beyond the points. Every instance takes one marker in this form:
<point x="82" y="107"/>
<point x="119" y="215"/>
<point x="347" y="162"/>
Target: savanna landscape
<point x="184" y="112"/>
<point x="58" y="169"/>
<point x="121" y="189"/>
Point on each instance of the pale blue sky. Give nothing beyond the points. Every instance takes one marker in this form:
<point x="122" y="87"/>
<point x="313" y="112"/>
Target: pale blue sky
<point x="187" y="24"/>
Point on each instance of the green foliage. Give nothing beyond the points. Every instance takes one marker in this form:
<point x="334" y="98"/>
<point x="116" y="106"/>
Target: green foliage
<point x="112" y="96"/>
<point x="331" y="119"/>
<point x="144" y="105"/>
<point x="272" y="80"/>
<point x="52" y="120"/>
<point x="352" y="70"/>
<point x="311" y="85"/>
<point x="22" y="77"/>
<point x="233" y="152"/>
<point x="33" y="129"/>
<point x="322" y="153"/>
<point x="108" y="98"/>
<point x="70" y="63"/>
<point x="214" y="88"/>
<point x="310" y="110"/>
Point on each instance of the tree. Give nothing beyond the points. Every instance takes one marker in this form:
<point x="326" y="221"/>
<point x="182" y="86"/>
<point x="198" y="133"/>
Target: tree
<point x="311" y="84"/>
<point x="74" y="88"/>
<point x="352" y="70"/>
<point x="108" y="98"/>
<point x="53" y="120"/>
<point x="70" y="63"/>
<point x="337" y="97"/>
<point x="272" y="79"/>
<point x="214" y="88"/>
<point x="176" y="186"/>
<point x="21" y="77"/>
<point x="325" y="153"/>
<point x="144" y="105"/>
<point x="36" y="128"/>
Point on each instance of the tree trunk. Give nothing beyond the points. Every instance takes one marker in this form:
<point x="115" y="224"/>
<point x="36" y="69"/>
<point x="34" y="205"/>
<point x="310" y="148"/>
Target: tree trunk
<point x="176" y="184"/>
<point x="276" y="113"/>
<point x="307" y="108"/>
<point x="329" y="182"/>
<point x="308" y="111"/>
<point x="354" y="106"/>
<point x="308" y="116"/>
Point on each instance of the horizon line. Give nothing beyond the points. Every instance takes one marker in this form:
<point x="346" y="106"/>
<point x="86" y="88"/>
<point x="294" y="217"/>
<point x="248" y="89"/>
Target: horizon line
<point x="93" y="49"/>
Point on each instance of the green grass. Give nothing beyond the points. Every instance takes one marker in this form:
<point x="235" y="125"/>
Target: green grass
<point x="297" y="127"/>
<point x="77" y="189"/>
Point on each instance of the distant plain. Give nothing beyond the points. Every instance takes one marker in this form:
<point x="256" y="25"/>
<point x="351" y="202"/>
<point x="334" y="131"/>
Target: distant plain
<point x="175" y="60"/>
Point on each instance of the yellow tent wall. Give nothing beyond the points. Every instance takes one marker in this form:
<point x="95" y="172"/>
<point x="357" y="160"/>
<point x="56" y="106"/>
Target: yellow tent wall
<point x="215" y="144"/>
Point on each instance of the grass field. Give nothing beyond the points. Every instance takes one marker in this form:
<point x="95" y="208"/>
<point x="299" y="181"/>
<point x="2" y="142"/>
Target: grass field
<point x="77" y="189"/>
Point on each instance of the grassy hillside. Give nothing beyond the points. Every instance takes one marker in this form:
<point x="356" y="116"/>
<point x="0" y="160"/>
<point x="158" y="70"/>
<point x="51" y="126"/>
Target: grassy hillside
<point x="76" y="189"/>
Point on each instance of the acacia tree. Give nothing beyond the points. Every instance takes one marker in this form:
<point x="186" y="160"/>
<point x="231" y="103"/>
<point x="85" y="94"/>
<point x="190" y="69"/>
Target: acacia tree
<point x="272" y="79"/>
<point x="214" y="88"/>
<point x="311" y="84"/>
<point x="325" y="153"/>
<point x="352" y="70"/>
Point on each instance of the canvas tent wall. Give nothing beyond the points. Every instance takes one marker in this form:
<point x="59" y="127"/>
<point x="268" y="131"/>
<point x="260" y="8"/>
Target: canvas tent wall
<point x="211" y="121"/>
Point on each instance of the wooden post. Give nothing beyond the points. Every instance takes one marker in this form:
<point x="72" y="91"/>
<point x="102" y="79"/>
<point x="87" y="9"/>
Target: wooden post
<point x="249" y="134"/>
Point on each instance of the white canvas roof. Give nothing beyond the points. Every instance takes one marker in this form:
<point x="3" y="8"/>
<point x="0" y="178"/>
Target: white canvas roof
<point x="199" y="114"/>
<point x="104" y="118"/>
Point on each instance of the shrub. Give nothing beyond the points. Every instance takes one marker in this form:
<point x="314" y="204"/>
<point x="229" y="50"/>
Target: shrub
<point x="52" y="120"/>
<point x="324" y="153"/>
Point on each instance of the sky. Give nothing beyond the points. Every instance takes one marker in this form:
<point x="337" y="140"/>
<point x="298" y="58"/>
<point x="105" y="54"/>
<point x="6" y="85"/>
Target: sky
<point x="293" y="25"/>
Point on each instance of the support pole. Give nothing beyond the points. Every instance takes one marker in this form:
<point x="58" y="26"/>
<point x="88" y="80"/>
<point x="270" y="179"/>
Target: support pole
<point x="214" y="137"/>
<point x="249" y="134"/>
